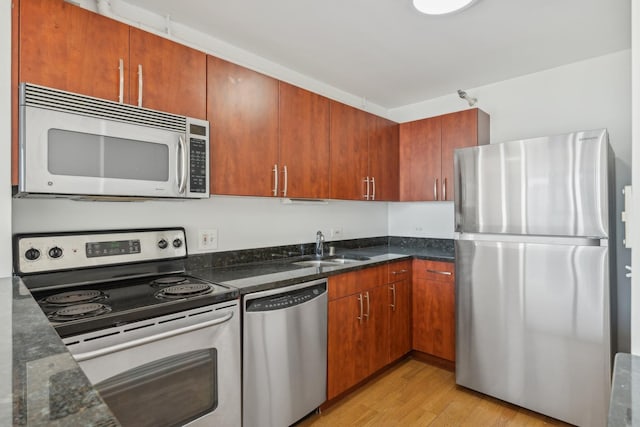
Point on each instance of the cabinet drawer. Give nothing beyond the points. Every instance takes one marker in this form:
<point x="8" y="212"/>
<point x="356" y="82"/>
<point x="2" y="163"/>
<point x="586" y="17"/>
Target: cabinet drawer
<point x="356" y="281"/>
<point x="399" y="271"/>
<point x="439" y="271"/>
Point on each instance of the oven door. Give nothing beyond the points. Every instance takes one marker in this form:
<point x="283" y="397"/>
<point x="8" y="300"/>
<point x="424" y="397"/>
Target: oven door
<point x="65" y="153"/>
<point x="187" y="373"/>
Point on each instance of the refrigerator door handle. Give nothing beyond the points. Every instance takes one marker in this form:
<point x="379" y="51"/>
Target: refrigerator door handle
<point x="519" y="238"/>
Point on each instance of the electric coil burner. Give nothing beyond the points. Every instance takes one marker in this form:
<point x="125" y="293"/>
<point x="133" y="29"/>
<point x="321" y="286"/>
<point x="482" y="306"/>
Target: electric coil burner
<point x="89" y="281"/>
<point x="74" y="297"/>
<point x="79" y="311"/>
<point x="184" y="290"/>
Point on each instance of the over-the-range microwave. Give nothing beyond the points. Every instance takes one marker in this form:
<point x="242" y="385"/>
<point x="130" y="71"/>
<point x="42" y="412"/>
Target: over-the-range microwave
<point x="77" y="146"/>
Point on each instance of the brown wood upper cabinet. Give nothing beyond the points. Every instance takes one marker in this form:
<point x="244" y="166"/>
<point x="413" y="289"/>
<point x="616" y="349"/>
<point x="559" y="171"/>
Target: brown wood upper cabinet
<point x="242" y="109"/>
<point x="70" y="48"/>
<point x="304" y="143"/>
<point x="364" y="149"/>
<point x="167" y="76"/>
<point x="383" y="159"/>
<point x="426" y="152"/>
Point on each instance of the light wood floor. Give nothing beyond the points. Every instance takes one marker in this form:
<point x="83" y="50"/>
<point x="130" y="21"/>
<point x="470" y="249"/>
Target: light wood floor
<point x="415" y="393"/>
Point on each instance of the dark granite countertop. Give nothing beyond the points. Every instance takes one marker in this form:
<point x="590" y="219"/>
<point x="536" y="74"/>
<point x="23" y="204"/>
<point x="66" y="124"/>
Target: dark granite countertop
<point x="254" y="277"/>
<point x="626" y="378"/>
<point x="47" y="385"/>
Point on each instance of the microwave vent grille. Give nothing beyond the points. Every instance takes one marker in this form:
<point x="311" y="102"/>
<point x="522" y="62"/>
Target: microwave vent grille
<point x="53" y="99"/>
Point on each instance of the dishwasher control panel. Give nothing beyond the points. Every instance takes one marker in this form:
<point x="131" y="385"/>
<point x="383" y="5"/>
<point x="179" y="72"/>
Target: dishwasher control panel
<point x="285" y="300"/>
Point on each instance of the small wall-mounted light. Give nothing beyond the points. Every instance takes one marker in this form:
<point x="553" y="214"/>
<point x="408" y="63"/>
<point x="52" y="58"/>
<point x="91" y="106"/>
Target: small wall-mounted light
<point x="471" y="100"/>
<point x="441" y="7"/>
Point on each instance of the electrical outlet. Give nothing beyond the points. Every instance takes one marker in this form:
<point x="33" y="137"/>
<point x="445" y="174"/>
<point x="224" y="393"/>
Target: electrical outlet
<point x="208" y="239"/>
<point x="336" y="233"/>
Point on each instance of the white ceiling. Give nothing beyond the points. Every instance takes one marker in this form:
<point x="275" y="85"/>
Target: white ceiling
<point x="388" y="53"/>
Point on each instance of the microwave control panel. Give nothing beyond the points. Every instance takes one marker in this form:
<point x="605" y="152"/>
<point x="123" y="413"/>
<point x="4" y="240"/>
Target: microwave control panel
<point x="198" y="156"/>
<point x="198" y="165"/>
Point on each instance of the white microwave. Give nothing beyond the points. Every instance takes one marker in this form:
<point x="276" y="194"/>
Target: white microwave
<point x="77" y="146"/>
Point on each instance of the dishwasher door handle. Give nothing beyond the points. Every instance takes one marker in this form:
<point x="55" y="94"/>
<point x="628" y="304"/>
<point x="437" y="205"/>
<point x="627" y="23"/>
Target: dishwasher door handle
<point x="146" y="340"/>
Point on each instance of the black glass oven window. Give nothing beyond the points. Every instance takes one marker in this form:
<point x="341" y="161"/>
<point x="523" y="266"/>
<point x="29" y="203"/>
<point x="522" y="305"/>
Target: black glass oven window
<point x="85" y="154"/>
<point x="169" y="392"/>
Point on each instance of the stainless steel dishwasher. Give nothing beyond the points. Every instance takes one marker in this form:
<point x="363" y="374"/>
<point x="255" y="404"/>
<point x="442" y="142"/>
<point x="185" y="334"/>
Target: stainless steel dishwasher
<point x="284" y="354"/>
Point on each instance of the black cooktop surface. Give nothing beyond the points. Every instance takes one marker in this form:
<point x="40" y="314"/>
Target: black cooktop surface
<point x="90" y="307"/>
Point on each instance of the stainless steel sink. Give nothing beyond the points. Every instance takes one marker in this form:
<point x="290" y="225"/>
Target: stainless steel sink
<point x="329" y="261"/>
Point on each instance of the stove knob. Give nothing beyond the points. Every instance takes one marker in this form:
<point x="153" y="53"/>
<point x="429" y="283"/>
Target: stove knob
<point x="32" y="254"/>
<point x="177" y="243"/>
<point x="55" y="252"/>
<point x="162" y="244"/>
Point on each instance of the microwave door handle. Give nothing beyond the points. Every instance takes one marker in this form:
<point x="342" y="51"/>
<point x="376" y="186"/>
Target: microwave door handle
<point x="182" y="164"/>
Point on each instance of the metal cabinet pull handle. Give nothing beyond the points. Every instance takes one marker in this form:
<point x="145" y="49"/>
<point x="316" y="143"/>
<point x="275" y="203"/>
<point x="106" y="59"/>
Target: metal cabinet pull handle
<point x="182" y="161"/>
<point x="121" y="88"/>
<point x="444" y="188"/>
<point x="373" y="184"/>
<point x="366" y="182"/>
<point x="399" y="272"/>
<point x="368" y="305"/>
<point x="286" y="181"/>
<point x="446" y="273"/>
<point x="275" y="179"/>
<point x="361" y="309"/>
<point x="435" y="189"/>
<point x="139" y="85"/>
<point x="136" y="343"/>
<point x="393" y="290"/>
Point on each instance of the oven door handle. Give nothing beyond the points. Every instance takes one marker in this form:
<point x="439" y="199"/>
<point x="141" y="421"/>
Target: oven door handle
<point x="80" y="357"/>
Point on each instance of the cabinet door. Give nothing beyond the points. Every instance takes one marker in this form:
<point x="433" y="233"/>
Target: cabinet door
<point x="462" y="129"/>
<point x="70" y="48"/>
<point x="304" y="143"/>
<point x="434" y="310"/>
<point x="174" y="76"/>
<point x="420" y="160"/>
<point x="399" y="310"/>
<point x="347" y="358"/>
<point x="383" y="158"/>
<point x="242" y="109"/>
<point x="349" y="152"/>
<point x="376" y="331"/>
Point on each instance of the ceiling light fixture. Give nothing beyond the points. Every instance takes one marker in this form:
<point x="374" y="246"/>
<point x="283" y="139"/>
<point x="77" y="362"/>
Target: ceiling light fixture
<point x="441" y="7"/>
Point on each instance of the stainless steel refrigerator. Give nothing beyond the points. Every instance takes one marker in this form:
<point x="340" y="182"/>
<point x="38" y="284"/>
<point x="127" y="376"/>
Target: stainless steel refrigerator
<point x="533" y="251"/>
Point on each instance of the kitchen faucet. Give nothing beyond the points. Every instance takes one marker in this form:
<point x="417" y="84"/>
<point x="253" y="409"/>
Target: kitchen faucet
<point x="319" y="244"/>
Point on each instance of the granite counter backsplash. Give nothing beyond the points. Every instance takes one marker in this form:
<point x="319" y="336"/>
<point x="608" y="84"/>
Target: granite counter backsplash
<point x="405" y="245"/>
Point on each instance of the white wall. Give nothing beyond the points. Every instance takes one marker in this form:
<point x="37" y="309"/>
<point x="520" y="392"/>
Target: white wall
<point x="635" y="238"/>
<point x="590" y="94"/>
<point x="5" y="138"/>
<point x="242" y="222"/>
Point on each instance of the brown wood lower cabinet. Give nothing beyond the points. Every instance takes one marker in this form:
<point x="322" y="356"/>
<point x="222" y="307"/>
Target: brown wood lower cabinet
<point x="434" y="308"/>
<point x="357" y="327"/>
<point x="399" y="309"/>
<point x="369" y="323"/>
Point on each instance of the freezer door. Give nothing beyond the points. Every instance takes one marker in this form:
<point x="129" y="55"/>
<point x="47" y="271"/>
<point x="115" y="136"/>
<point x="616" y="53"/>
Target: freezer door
<point x="544" y="186"/>
<point x="532" y="326"/>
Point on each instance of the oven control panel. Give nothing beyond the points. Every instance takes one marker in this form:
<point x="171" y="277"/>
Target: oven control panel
<point x="38" y="253"/>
